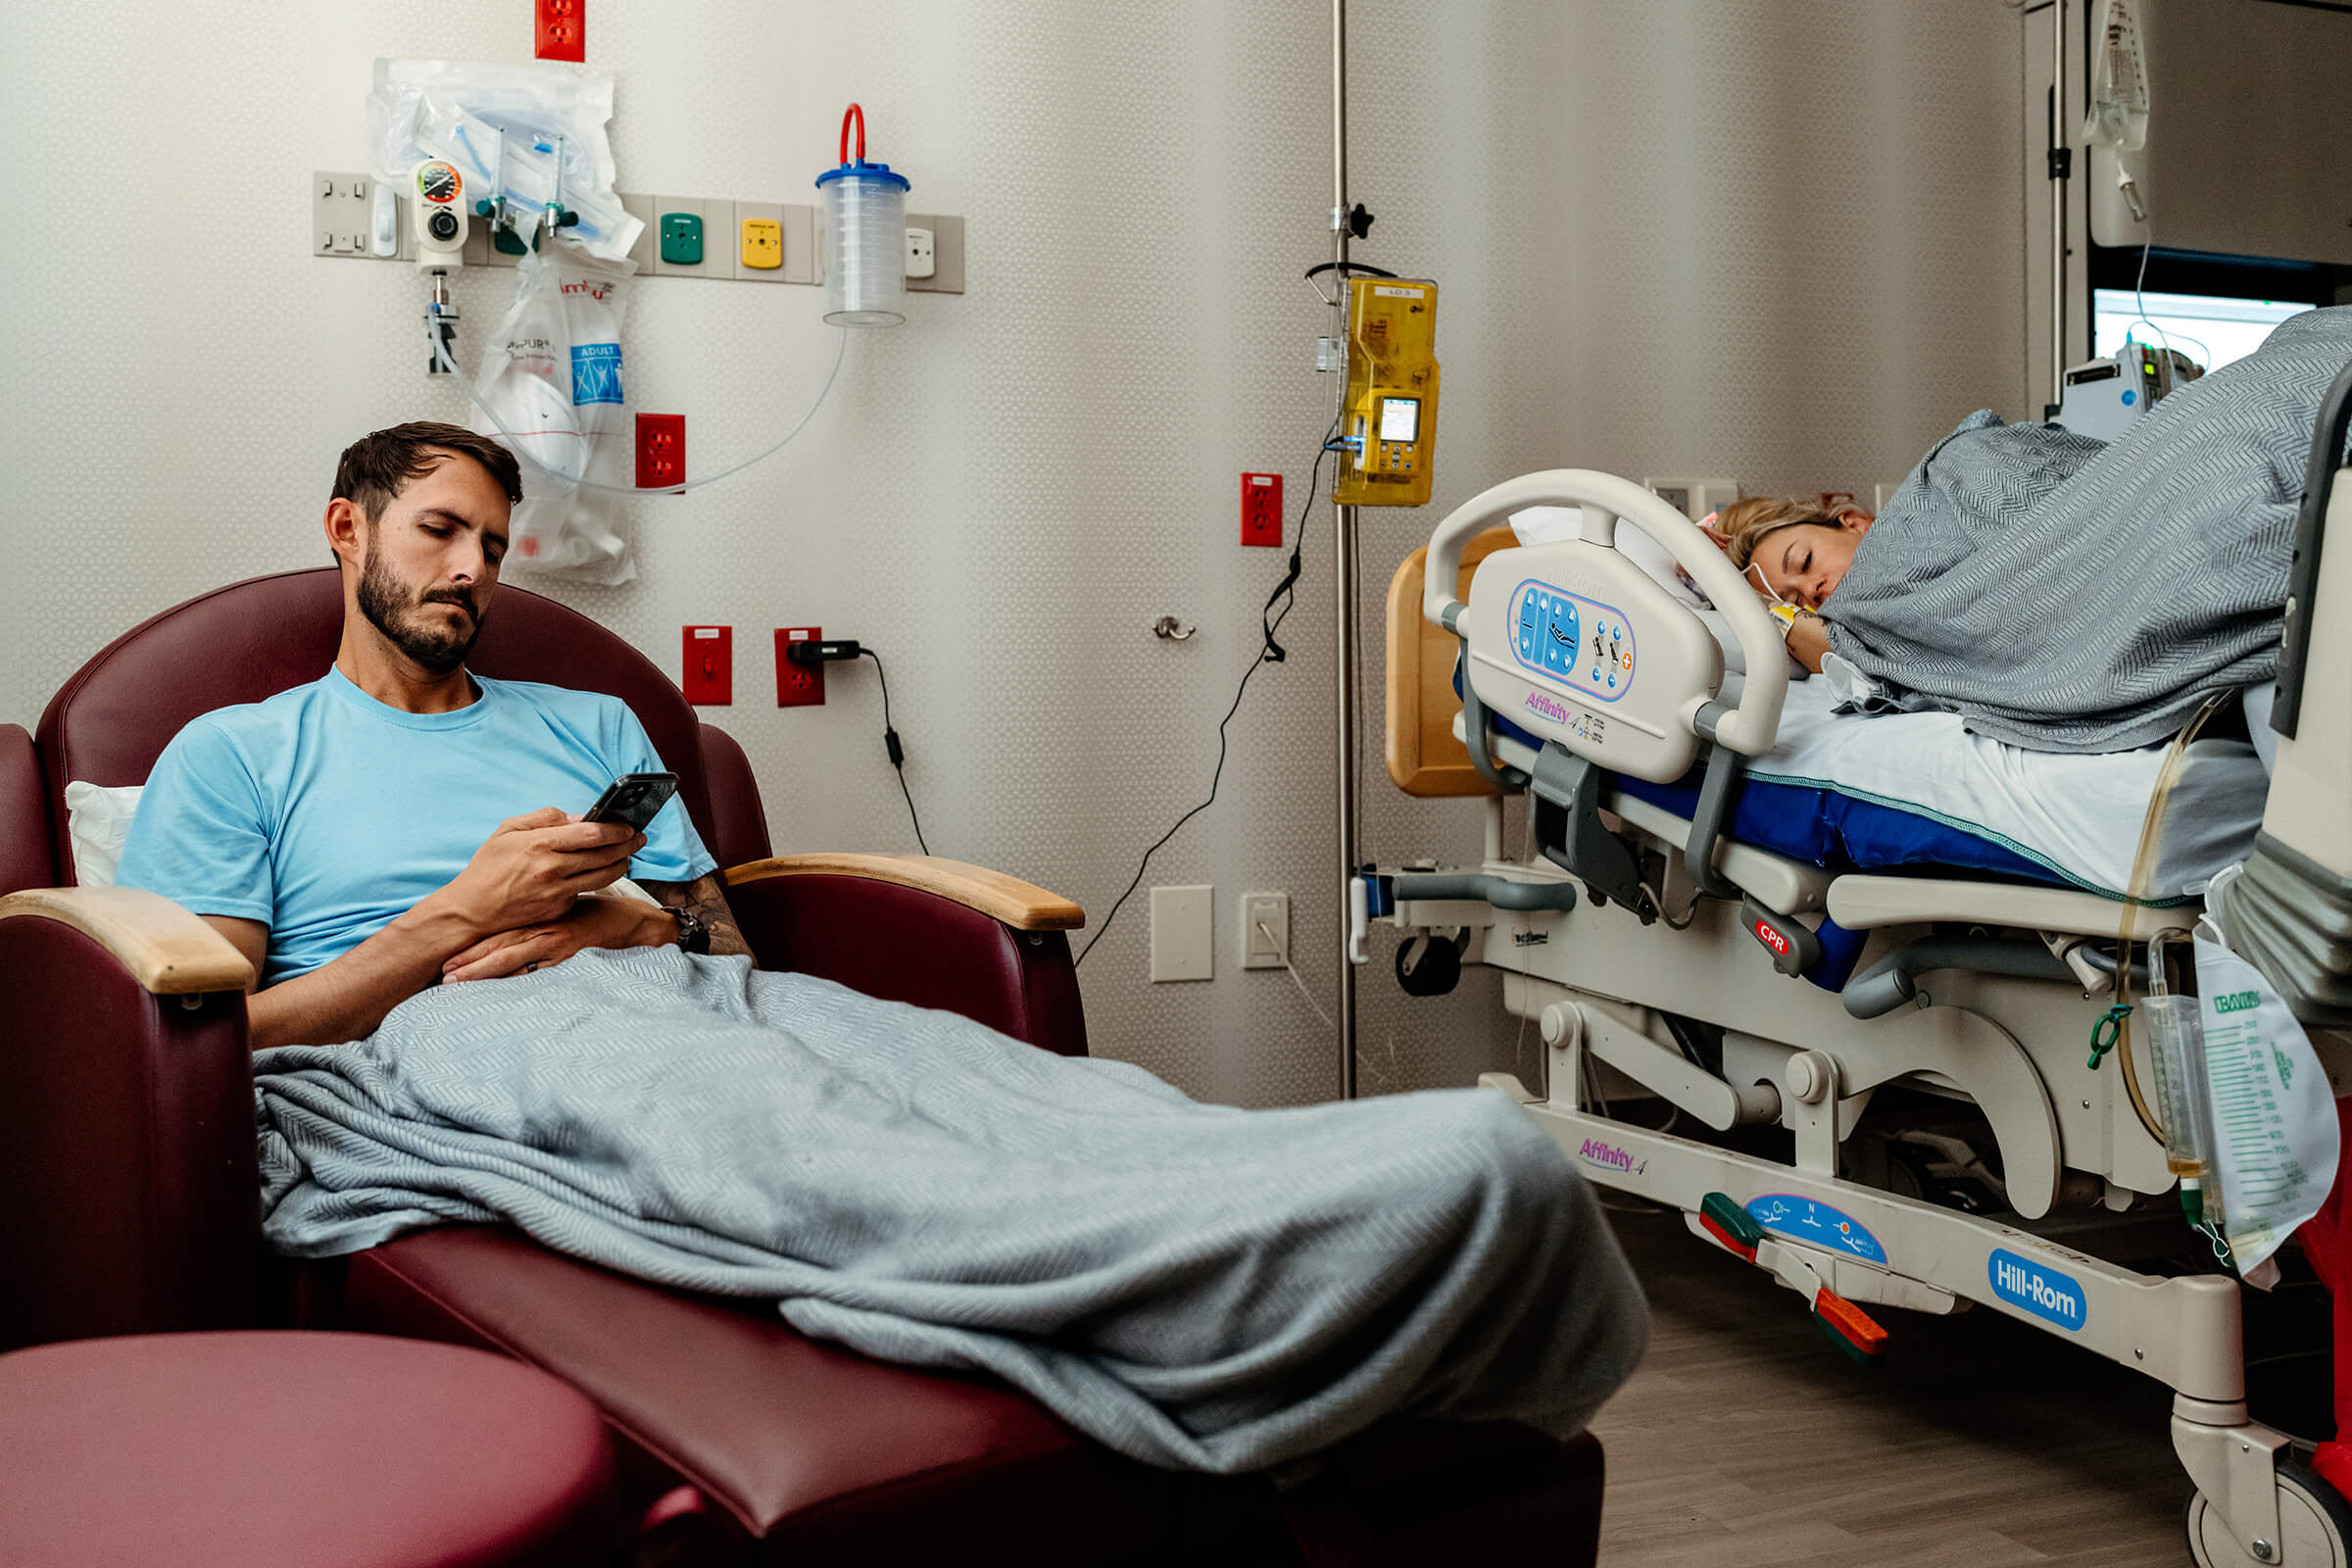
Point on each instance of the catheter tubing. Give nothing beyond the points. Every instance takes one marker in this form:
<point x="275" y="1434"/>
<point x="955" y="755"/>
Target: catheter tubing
<point x="1748" y="729"/>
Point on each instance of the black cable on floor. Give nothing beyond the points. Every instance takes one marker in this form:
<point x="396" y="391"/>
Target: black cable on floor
<point x="1271" y="652"/>
<point x="898" y="753"/>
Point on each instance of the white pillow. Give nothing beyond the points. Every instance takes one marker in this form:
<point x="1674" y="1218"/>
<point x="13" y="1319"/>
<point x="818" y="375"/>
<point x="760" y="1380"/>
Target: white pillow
<point x="1544" y="526"/>
<point x="97" y="822"/>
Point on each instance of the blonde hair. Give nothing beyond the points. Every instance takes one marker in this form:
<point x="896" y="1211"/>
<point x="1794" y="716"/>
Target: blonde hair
<point x="1745" y="523"/>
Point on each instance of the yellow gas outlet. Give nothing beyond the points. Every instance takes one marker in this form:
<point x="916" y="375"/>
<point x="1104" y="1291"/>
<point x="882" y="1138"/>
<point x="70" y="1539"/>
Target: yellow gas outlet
<point x="763" y="244"/>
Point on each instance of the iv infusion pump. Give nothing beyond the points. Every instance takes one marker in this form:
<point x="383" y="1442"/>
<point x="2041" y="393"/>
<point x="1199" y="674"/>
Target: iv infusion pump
<point x="1390" y="423"/>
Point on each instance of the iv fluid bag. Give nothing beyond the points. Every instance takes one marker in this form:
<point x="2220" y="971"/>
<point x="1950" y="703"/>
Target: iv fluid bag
<point x="2118" y="82"/>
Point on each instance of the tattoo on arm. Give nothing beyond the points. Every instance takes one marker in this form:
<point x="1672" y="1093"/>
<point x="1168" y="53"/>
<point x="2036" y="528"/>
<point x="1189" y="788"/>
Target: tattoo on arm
<point x="706" y="901"/>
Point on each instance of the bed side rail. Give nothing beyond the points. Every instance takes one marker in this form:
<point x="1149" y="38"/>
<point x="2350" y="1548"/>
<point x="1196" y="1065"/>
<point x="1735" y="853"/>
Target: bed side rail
<point x="1605" y="500"/>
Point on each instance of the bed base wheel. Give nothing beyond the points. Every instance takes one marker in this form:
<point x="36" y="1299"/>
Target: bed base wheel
<point x="2315" y="1527"/>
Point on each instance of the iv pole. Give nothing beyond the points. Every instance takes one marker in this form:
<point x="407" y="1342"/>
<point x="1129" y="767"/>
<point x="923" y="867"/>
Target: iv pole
<point x="1343" y="578"/>
<point x="2061" y="167"/>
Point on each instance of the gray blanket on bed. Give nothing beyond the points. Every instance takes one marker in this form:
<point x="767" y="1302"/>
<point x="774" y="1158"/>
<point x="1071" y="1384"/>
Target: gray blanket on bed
<point x="1195" y="1286"/>
<point x="2069" y="596"/>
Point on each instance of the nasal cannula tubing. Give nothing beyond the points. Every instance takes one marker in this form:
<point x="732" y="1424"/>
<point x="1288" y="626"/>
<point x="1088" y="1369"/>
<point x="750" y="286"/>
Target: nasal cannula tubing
<point x="449" y="366"/>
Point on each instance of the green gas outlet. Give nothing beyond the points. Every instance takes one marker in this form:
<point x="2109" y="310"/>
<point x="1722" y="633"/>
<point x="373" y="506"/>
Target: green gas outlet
<point x="681" y="239"/>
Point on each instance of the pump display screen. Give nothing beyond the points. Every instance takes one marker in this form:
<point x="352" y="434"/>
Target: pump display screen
<point x="1400" y="419"/>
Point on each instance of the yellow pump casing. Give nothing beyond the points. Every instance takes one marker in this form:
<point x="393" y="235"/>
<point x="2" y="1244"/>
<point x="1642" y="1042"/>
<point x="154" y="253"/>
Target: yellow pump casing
<point x="1391" y="412"/>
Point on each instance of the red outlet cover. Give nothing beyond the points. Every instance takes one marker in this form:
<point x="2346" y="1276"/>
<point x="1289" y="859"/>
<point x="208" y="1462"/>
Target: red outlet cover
<point x="661" y="451"/>
<point x="708" y="666"/>
<point x="1261" y="509"/>
<point x="560" y="29"/>
<point x="798" y="685"/>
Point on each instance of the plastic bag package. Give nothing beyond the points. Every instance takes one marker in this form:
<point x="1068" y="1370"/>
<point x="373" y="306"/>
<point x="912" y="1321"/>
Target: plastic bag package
<point x="551" y="390"/>
<point x="2274" y="1120"/>
<point x="456" y="110"/>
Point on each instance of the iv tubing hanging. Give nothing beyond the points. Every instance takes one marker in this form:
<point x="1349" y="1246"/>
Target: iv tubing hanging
<point x="449" y="367"/>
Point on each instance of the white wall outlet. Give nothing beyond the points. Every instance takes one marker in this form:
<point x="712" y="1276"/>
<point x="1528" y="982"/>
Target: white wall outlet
<point x="1265" y="930"/>
<point x="1879" y="495"/>
<point x="1182" y="935"/>
<point x="922" y="253"/>
<point x="1695" y="498"/>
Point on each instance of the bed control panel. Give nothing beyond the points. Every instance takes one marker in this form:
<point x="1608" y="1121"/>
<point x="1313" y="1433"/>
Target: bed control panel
<point x="1575" y="644"/>
<point x="1587" y="644"/>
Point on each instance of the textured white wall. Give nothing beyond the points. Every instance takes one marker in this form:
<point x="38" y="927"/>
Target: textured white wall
<point x="1773" y="240"/>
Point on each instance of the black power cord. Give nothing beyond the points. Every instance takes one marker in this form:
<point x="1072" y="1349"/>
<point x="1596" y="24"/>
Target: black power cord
<point x="1272" y="652"/>
<point x="838" y="649"/>
<point x="898" y="753"/>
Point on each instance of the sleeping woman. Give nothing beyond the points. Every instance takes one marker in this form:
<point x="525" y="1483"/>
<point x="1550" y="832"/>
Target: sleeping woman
<point x="2060" y="593"/>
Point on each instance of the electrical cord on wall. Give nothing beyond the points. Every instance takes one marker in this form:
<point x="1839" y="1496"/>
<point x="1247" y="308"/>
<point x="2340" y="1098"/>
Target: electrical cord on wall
<point x="1270" y="653"/>
<point x="898" y="753"/>
<point x="841" y="649"/>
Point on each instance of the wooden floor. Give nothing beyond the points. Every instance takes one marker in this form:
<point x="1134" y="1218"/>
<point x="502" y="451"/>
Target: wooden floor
<point x="1747" y="1440"/>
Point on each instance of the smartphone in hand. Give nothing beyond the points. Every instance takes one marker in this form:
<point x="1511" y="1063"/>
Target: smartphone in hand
<point x="634" y="799"/>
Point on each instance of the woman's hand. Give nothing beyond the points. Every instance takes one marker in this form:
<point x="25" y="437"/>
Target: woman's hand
<point x="594" y="921"/>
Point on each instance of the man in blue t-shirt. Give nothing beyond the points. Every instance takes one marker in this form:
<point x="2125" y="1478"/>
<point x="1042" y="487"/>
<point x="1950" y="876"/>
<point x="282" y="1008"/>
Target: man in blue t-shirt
<point x="400" y="823"/>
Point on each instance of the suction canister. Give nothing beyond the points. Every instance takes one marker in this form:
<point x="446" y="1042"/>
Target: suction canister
<point x="866" y="237"/>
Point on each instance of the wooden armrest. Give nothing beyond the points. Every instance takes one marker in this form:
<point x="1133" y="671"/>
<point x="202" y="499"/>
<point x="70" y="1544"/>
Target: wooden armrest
<point x="1019" y="904"/>
<point x="168" y="950"/>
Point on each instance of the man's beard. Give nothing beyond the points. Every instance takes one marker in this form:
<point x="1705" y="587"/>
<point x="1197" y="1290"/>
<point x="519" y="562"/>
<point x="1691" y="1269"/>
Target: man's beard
<point x="393" y="610"/>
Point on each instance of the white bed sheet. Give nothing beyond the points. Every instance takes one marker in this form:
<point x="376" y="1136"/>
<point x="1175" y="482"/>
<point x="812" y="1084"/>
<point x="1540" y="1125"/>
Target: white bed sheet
<point x="2080" y="815"/>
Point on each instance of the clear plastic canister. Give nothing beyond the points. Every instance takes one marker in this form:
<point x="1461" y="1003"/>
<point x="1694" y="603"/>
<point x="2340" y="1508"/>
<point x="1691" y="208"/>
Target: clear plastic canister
<point x="2175" y="1037"/>
<point x="866" y="245"/>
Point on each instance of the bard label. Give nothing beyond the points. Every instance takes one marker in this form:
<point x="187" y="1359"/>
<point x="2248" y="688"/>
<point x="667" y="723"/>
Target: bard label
<point x="2043" y="1292"/>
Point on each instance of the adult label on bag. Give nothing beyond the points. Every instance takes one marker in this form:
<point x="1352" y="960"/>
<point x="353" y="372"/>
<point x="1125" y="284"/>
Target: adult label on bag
<point x="595" y="373"/>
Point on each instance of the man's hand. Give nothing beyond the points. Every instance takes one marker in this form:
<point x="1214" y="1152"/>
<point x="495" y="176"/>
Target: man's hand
<point x="590" y="922"/>
<point x="533" y="868"/>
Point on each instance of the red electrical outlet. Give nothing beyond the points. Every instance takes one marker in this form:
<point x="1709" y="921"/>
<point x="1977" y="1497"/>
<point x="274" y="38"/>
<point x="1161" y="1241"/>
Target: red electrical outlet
<point x="1262" y="508"/>
<point x="562" y="33"/>
<point x="710" y="665"/>
<point x="798" y="685"/>
<point x="661" y="451"/>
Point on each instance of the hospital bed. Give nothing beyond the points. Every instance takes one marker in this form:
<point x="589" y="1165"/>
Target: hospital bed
<point x="1741" y="905"/>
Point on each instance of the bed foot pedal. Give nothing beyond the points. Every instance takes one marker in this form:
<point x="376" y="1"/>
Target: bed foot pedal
<point x="1849" y="1327"/>
<point x="1735" y="1227"/>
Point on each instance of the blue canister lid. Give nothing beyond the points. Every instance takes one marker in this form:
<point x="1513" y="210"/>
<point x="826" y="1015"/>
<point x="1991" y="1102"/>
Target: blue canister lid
<point x="864" y="171"/>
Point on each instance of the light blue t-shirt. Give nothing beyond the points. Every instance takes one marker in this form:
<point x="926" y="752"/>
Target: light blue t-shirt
<point x="323" y="814"/>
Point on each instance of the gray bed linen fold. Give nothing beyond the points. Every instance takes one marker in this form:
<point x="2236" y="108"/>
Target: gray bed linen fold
<point x="1196" y="1285"/>
<point x="2065" y="596"/>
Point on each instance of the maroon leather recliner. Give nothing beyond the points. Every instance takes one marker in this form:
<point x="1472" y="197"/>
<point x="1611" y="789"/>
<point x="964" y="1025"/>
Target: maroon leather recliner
<point x="128" y="1178"/>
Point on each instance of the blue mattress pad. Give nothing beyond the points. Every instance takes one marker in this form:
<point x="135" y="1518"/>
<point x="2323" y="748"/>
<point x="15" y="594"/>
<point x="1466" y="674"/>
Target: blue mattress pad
<point x="1826" y="827"/>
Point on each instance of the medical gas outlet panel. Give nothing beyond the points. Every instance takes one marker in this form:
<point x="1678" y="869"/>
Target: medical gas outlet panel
<point x="1391" y="437"/>
<point x="355" y="216"/>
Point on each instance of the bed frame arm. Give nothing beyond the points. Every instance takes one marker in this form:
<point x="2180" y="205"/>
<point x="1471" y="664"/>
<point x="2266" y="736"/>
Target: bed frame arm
<point x="1605" y="500"/>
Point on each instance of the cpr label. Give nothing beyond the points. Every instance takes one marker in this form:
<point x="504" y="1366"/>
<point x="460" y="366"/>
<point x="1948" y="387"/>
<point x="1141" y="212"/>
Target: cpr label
<point x="2043" y="1292"/>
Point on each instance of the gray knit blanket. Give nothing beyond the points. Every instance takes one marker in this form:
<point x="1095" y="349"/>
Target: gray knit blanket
<point x="1195" y="1286"/>
<point x="2069" y="596"/>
